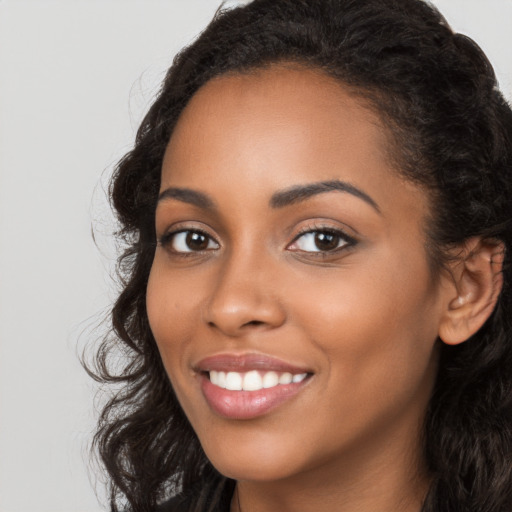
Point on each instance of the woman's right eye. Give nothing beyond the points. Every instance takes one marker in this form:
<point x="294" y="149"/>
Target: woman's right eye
<point x="188" y="241"/>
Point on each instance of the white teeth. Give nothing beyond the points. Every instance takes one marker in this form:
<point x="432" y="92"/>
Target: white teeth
<point x="234" y="381"/>
<point x="218" y="378"/>
<point x="285" y="378"/>
<point x="253" y="380"/>
<point x="270" y="379"/>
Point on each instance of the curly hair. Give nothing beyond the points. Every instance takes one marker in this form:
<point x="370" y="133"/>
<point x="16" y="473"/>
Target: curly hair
<point x="451" y="132"/>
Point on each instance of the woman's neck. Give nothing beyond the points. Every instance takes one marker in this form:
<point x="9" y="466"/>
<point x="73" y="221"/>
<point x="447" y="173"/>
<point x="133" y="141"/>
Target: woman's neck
<point x="376" y="479"/>
<point x="373" y="497"/>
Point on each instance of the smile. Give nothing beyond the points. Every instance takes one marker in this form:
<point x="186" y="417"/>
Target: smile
<point x="248" y="386"/>
<point x="253" y="380"/>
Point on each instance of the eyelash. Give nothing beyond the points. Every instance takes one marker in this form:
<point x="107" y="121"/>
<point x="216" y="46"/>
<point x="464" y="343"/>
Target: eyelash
<point x="322" y="229"/>
<point x="167" y="239"/>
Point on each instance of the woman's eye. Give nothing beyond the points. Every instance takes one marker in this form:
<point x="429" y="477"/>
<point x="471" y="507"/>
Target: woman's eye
<point x="189" y="241"/>
<point x="320" y="241"/>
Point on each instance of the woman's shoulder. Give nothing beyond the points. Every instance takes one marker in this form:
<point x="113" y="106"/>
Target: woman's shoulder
<point x="203" y="498"/>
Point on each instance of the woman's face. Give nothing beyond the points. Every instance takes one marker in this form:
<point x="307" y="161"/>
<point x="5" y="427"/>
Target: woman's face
<point x="290" y="295"/>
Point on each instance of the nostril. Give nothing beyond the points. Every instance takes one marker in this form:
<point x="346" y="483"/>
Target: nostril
<point x="251" y="323"/>
<point x="247" y="313"/>
<point x="254" y="323"/>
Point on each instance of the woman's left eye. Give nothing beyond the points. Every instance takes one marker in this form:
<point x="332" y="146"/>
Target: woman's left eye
<point x="321" y="241"/>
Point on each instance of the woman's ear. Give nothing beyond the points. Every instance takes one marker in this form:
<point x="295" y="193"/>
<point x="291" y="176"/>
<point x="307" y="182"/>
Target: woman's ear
<point x="476" y="282"/>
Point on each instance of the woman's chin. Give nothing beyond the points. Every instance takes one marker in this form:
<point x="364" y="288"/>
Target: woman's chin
<point x="258" y="466"/>
<point x="246" y="471"/>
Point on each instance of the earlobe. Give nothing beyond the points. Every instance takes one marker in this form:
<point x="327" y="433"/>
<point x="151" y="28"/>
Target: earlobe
<point x="476" y="285"/>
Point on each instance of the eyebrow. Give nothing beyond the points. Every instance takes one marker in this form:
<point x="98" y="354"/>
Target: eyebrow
<point x="300" y="193"/>
<point x="187" y="195"/>
<point x="280" y="199"/>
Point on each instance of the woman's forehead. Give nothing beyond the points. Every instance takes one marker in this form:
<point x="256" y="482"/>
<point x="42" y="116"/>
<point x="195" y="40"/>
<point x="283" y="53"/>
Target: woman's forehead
<point x="278" y="114"/>
<point x="282" y="90"/>
<point x="278" y="128"/>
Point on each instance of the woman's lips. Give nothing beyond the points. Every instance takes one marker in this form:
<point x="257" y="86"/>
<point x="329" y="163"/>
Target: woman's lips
<point x="248" y="386"/>
<point x="247" y="362"/>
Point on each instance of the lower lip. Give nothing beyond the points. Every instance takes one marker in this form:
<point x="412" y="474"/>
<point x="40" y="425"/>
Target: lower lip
<point x="245" y="405"/>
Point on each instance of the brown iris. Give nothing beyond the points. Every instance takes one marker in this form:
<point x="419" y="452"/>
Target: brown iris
<point x="196" y="241"/>
<point x="326" y="241"/>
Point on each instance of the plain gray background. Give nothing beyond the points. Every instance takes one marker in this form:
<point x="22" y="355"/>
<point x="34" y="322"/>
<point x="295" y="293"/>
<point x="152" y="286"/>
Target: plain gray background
<point x="75" y="79"/>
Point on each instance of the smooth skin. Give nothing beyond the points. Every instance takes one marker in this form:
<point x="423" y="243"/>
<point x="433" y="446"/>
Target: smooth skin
<point x="337" y="281"/>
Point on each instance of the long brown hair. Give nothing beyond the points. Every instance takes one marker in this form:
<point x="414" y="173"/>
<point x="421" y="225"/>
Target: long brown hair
<point x="437" y="93"/>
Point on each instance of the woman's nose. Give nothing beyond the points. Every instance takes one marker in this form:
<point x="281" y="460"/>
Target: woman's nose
<point x="244" y="298"/>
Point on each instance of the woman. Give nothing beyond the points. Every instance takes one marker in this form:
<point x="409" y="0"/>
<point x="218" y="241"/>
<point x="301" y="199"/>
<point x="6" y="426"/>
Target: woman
<point x="316" y="299"/>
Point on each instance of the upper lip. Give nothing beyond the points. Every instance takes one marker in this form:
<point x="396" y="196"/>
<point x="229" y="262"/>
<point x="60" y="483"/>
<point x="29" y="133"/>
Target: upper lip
<point x="246" y="362"/>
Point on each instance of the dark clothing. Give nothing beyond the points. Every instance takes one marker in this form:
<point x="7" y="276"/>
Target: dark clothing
<point x="212" y="498"/>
